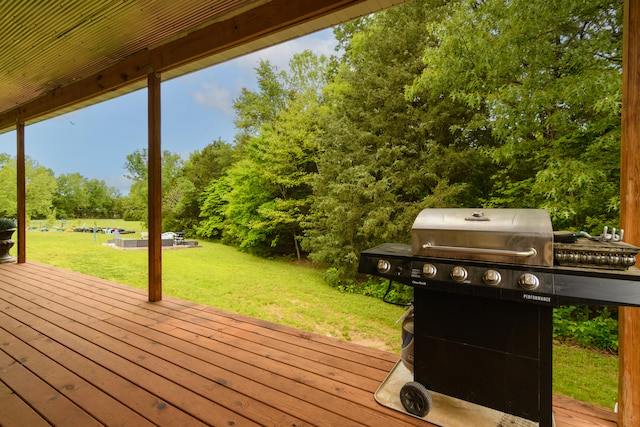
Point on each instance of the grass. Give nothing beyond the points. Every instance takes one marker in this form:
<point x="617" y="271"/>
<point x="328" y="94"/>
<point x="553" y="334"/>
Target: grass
<point x="218" y="275"/>
<point x="284" y="292"/>
<point x="585" y="375"/>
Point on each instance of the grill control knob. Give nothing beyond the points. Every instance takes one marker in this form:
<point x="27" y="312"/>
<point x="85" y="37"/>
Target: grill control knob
<point x="429" y="271"/>
<point x="491" y="277"/>
<point x="384" y="266"/>
<point x="459" y="274"/>
<point x="528" y="281"/>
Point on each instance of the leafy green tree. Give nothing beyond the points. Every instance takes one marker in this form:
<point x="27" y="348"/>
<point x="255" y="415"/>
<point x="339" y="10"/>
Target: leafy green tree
<point x="546" y="82"/>
<point x="71" y="200"/>
<point x="213" y="204"/>
<point x="198" y="171"/>
<point x="136" y="203"/>
<point x="40" y="186"/>
<point x="8" y="204"/>
<point x="104" y="200"/>
<point x="209" y="163"/>
<point x="247" y="192"/>
<point x="269" y="189"/>
<point x="287" y="152"/>
<point x="137" y="170"/>
<point x="253" y="109"/>
<point x="136" y="166"/>
<point x="384" y="157"/>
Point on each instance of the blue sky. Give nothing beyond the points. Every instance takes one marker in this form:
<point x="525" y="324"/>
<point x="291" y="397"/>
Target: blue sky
<point x="196" y="109"/>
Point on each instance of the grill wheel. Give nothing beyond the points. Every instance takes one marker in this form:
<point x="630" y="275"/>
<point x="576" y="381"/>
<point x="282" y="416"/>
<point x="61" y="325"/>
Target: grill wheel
<point x="415" y="398"/>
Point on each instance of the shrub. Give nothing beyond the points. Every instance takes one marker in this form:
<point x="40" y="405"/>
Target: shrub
<point x="6" y="224"/>
<point x="394" y="293"/>
<point x="591" y="327"/>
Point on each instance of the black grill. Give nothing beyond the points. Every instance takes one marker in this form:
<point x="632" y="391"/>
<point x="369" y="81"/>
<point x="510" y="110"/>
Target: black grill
<point x="483" y="326"/>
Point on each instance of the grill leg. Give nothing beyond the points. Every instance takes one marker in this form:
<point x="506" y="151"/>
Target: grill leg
<point x="546" y="366"/>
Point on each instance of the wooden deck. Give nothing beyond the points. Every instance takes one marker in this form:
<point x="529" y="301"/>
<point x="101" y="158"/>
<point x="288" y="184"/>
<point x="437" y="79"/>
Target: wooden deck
<point x="81" y="351"/>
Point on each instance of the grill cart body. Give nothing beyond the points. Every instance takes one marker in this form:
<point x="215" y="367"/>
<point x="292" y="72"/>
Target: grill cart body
<point x="485" y="285"/>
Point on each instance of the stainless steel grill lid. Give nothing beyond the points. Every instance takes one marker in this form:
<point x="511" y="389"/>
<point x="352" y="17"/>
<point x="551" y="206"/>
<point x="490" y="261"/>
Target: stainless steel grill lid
<point x="514" y="236"/>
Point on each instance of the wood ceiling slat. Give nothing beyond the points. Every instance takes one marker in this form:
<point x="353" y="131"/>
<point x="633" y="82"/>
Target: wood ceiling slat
<point x="48" y="46"/>
<point x="52" y="46"/>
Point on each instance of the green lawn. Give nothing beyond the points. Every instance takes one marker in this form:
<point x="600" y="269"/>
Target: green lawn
<point x="220" y="276"/>
<point x="585" y="375"/>
<point x="283" y="292"/>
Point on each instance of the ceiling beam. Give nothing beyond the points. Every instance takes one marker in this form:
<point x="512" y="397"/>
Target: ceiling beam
<point x="218" y="37"/>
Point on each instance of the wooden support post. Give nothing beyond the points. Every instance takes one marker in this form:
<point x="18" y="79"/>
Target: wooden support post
<point x="21" y="192"/>
<point x="629" y="318"/>
<point x="154" y="168"/>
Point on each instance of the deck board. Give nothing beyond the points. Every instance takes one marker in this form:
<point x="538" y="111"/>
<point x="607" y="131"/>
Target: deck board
<point x="78" y="350"/>
<point x="16" y="412"/>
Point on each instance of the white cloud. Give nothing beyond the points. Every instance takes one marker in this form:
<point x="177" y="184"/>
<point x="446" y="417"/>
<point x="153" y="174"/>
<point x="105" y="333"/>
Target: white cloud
<point x="214" y="96"/>
<point x="217" y="87"/>
<point x="119" y="182"/>
<point x="321" y="43"/>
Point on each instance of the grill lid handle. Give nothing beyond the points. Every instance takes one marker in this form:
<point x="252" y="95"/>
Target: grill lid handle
<point x="531" y="252"/>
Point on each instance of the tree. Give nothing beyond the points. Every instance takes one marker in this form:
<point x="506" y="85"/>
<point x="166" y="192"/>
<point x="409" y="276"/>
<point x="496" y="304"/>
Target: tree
<point x="208" y="164"/>
<point x="136" y="202"/>
<point x="71" y="200"/>
<point x="213" y="208"/>
<point x="546" y="83"/>
<point x="197" y="172"/>
<point x="135" y="205"/>
<point x="246" y="192"/>
<point x="269" y="189"/>
<point x="104" y="201"/>
<point x="8" y="206"/>
<point x="40" y="186"/>
<point x="253" y="109"/>
<point x="384" y="157"/>
<point x="286" y="153"/>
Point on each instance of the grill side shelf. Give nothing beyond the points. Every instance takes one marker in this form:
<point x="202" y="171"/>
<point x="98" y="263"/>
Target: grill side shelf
<point x="584" y="287"/>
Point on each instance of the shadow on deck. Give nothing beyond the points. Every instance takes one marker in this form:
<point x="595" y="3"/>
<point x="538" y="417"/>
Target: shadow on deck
<point x="80" y="351"/>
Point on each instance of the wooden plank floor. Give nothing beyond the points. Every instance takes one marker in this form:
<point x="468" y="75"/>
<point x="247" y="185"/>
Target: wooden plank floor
<point x="81" y="351"/>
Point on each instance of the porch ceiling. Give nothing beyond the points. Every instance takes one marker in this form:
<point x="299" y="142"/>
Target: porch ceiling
<point x="59" y="56"/>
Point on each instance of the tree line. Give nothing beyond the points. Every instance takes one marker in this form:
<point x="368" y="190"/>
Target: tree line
<point x="467" y="103"/>
<point x="470" y="103"/>
<point x="50" y="197"/>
